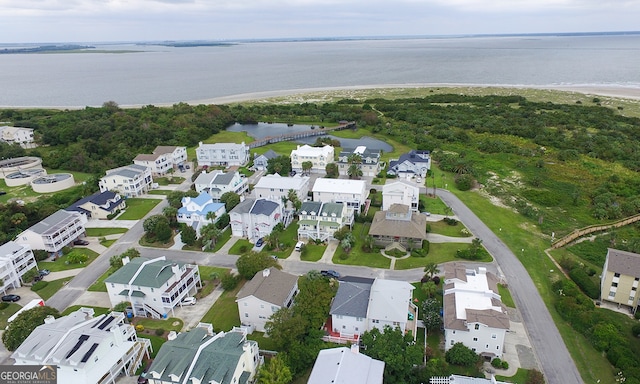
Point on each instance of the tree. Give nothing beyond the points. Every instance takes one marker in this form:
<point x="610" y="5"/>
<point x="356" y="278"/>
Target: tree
<point x="223" y="221"/>
<point x="306" y="167"/>
<point x="22" y="326"/>
<point x="285" y="328"/>
<point x="163" y="231"/>
<point x="175" y="197"/>
<point x="431" y="314"/>
<point x="430" y="270"/>
<point x="280" y="165"/>
<point x="275" y="372"/>
<point x="332" y="170"/>
<point x="460" y="354"/>
<point x="210" y="232"/>
<point x="230" y="200"/>
<point x="355" y="166"/>
<point x="171" y="213"/>
<point x="429" y="288"/>
<point x="398" y="350"/>
<point x="252" y="262"/>
<point x="76" y="258"/>
<point x="292" y="196"/>
<point x="188" y="235"/>
<point x="149" y="224"/>
<point x="535" y="377"/>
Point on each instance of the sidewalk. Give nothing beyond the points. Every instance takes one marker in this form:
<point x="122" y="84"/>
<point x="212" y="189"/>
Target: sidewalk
<point x="225" y="248"/>
<point x="327" y="256"/>
<point x="110" y="224"/>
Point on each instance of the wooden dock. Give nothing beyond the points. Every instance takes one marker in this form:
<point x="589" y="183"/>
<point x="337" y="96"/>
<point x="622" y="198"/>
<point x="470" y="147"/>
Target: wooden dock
<point x="299" y="135"/>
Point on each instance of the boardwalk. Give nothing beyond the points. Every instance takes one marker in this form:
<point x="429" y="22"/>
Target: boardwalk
<point x="300" y="135"/>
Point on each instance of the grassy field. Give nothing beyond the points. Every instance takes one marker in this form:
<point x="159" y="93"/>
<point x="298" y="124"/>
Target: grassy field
<point x="137" y="208"/>
<point x="61" y="263"/>
<point x="442" y="228"/>
<point x="314" y="252"/>
<point x="505" y="296"/>
<point x="6" y="313"/>
<point x="97" y="311"/>
<point x="241" y="243"/>
<point x="107" y="243"/>
<point x="167" y="180"/>
<point x="224" y="313"/>
<point x="99" y="232"/>
<point x="164" y="192"/>
<point x="438" y="253"/>
<point x="98" y="285"/>
<point x="170" y="324"/>
<point x="53" y="287"/>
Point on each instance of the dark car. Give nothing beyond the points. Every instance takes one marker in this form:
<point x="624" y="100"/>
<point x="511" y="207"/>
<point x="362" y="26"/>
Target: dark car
<point x="10" y="298"/>
<point x="330" y="273"/>
<point x="3" y="193"/>
<point x="44" y="272"/>
<point x="259" y="243"/>
<point x="80" y="242"/>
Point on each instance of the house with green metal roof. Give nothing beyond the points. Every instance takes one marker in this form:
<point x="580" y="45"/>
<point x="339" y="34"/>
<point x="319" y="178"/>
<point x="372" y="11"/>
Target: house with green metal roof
<point x="154" y="287"/>
<point x="199" y="356"/>
<point x="319" y="221"/>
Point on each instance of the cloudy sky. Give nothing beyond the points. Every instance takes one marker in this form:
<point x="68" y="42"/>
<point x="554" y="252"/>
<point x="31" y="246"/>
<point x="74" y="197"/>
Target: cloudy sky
<point x="23" y="21"/>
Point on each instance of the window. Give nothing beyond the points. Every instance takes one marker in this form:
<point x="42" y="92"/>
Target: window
<point x="612" y="294"/>
<point x="375" y="321"/>
<point x="473" y="349"/>
<point x="261" y="305"/>
<point x="246" y="314"/>
<point x="494" y="336"/>
<point x="452" y="342"/>
<point x="616" y="274"/>
<point x="634" y="288"/>
<point x="631" y="298"/>
<point x="477" y="326"/>
<point x="614" y="284"/>
<point x="475" y="339"/>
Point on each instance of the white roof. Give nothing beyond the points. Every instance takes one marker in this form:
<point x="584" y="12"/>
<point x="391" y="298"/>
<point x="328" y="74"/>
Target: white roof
<point x="475" y="293"/>
<point x="389" y="300"/>
<point x="399" y="186"/>
<point x="343" y="366"/>
<point x="307" y="150"/>
<point x="276" y="181"/>
<point x="207" y="177"/>
<point x="241" y="146"/>
<point x="340" y="186"/>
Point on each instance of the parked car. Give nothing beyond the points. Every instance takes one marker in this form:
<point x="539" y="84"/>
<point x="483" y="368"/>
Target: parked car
<point x="44" y="272"/>
<point x="37" y="278"/>
<point x="299" y="246"/>
<point x="142" y="379"/>
<point x="10" y="298"/>
<point x="3" y="193"/>
<point x="189" y="301"/>
<point x="80" y="242"/>
<point x="259" y="243"/>
<point x="330" y="273"/>
<point x="187" y="166"/>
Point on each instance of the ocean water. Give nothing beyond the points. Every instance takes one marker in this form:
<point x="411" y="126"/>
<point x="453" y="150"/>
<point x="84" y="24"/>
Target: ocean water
<point x="160" y="75"/>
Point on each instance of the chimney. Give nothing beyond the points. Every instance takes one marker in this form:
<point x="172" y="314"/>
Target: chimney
<point x="482" y="270"/>
<point x="117" y="335"/>
<point x="355" y="349"/>
<point x="266" y="272"/>
<point x="175" y="268"/>
<point x="49" y="319"/>
<point x="172" y="335"/>
<point x="125" y="260"/>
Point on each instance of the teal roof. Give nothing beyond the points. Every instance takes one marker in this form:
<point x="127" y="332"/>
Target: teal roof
<point x="332" y="208"/>
<point x="307" y="222"/>
<point x="153" y="275"/>
<point x="217" y="361"/>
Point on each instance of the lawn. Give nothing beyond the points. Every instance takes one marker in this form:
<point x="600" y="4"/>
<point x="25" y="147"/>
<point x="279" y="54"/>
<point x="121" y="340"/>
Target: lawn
<point x="210" y="276"/>
<point x="137" y="208"/>
<point x="442" y="228"/>
<point x="289" y="238"/>
<point x="61" y="263"/>
<point x="283" y="148"/>
<point x="265" y="343"/>
<point x="97" y="311"/>
<point x="357" y="256"/>
<point x="53" y="287"/>
<point x="170" y="324"/>
<point x="99" y="232"/>
<point x="6" y="313"/>
<point x="107" y="243"/>
<point x="313" y="252"/>
<point x="99" y="286"/>
<point x="164" y="192"/>
<point x="224" y="313"/>
<point x="505" y="296"/>
<point x="518" y="378"/>
<point x="237" y="248"/>
<point x="167" y="180"/>
<point x="438" y="253"/>
<point x="220" y="241"/>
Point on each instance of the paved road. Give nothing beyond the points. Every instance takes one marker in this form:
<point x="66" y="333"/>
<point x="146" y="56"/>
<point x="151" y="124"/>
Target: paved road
<point x="555" y="360"/>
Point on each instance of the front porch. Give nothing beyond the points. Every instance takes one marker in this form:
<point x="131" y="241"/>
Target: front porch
<point x="337" y="337"/>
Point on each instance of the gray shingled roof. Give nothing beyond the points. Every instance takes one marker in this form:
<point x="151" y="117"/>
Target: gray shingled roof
<point x="223" y="178"/>
<point x="264" y="207"/>
<point x="414" y="229"/>
<point x="624" y="263"/>
<point x="352" y="299"/>
<point x="274" y="288"/>
<point x="311" y="206"/>
<point x="52" y="223"/>
<point x="244" y="206"/>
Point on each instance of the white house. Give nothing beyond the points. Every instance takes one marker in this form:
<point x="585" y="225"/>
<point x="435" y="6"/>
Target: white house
<point x="369" y="161"/>
<point x="177" y="155"/>
<point x="54" y="232"/>
<point x="352" y="192"/>
<point x="362" y="304"/>
<point x="318" y="156"/>
<point x="473" y="312"/>
<point x="260" y="162"/>
<point x="85" y="349"/>
<point x="218" y="183"/>
<point x="319" y="221"/>
<point x="199" y="356"/>
<point x="399" y="192"/>
<point x="414" y="163"/>
<point x="277" y="187"/>
<point x="255" y="218"/>
<point x="153" y="286"/>
<point x="17" y="135"/>
<point x="99" y="205"/>
<point x="267" y="292"/>
<point x="346" y="366"/>
<point x="227" y="154"/>
<point x="162" y="159"/>
<point x="130" y="181"/>
<point x="15" y="260"/>
<point x="195" y="211"/>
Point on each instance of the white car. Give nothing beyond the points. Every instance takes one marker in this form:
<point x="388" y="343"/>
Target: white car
<point x="189" y="301"/>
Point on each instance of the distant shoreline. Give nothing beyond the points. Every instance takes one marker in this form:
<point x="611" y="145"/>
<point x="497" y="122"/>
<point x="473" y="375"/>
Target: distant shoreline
<point x="622" y="92"/>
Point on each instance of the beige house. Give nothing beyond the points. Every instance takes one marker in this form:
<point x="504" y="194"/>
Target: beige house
<point x="620" y="276"/>
<point x="399" y="224"/>
<point x="261" y="297"/>
<point x="319" y="158"/>
<point x="319" y="221"/>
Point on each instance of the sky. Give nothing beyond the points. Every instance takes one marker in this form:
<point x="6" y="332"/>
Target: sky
<point x="33" y="21"/>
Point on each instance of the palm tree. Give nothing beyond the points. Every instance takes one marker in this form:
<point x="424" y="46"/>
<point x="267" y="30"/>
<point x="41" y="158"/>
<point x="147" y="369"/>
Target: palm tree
<point x="354" y="171"/>
<point x="430" y="270"/>
<point x="429" y="288"/>
<point x="210" y="232"/>
<point x="306" y="167"/>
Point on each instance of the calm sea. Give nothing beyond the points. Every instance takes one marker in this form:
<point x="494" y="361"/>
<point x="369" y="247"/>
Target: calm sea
<point x="160" y="75"/>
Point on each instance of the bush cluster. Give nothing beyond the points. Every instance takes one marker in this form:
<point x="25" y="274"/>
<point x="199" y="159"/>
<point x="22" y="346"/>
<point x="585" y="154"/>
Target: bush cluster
<point x="39" y="285"/>
<point x="500" y="364"/>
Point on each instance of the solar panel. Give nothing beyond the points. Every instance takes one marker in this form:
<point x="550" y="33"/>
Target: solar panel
<point x="81" y="340"/>
<point x="106" y="322"/>
<point x="89" y="353"/>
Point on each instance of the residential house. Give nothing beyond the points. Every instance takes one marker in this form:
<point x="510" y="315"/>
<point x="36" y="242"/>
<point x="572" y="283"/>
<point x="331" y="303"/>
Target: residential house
<point x="154" y="287"/>
<point x="177" y="155"/>
<point x="255" y="218"/>
<point x="362" y="304"/>
<point x="199" y="211"/>
<point x="399" y="225"/>
<point x="17" y="135"/>
<point x="346" y="366"/>
<point x="319" y="221"/>
<point x="267" y="292"/>
<point x="162" y="159"/>
<point x="473" y="312"/>
<point x="199" y="356"/>
<point x="218" y="183"/>
<point x="277" y="187"/>
<point x="260" y="162"/>
<point x="416" y="163"/>
<point x="227" y="154"/>
<point x="318" y="156"/>
<point x="620" y="276"/>
<point x="85" y="349"/>
<point x="100" y="205"/>
<point x="400" y="192"/>
<point x="15" y="260"/>
<point x="369" y="161"/>
<point x="130" y="181"/>
<point x="54" y="232"/>
<point x="352" y="192"/>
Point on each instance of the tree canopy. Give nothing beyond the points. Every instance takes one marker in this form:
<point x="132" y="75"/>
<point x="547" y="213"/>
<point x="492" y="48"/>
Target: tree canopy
<point x="398" y="351"/>
<point x="22" y="326"/>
